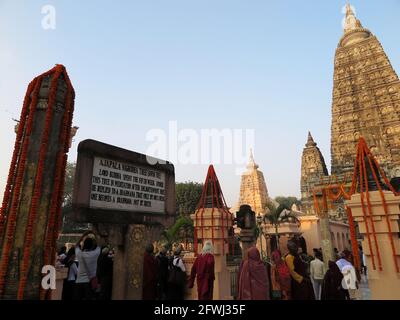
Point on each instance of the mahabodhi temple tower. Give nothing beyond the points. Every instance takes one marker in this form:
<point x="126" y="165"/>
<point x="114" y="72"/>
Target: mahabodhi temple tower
<point x="366" y="102"/>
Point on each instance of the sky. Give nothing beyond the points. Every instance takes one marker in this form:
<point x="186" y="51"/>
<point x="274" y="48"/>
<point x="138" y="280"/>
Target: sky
<point x="138" y="66"/>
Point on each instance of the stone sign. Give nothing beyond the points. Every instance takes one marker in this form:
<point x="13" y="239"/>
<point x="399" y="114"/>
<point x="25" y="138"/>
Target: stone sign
<point x="110" y="179"/>
<point x="123" y="186"/>
<point x="129" y="198"/>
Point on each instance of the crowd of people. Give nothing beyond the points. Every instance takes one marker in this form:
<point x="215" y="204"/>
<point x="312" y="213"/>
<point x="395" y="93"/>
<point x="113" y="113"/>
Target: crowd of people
<point x="295" y="276"/>
<point x="164" y="275"/>
<point x="90" y="270"/>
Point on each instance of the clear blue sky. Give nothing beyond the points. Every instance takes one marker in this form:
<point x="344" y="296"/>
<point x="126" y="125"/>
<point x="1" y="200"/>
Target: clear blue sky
<point x="135" y="65"/>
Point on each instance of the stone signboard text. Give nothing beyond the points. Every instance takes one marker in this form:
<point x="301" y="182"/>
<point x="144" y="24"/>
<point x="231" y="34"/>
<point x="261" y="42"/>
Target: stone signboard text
<point x="127" y="187"/>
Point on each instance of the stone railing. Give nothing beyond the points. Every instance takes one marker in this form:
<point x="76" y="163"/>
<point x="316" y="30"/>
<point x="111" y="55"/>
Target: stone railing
<point x="234" y="273"/>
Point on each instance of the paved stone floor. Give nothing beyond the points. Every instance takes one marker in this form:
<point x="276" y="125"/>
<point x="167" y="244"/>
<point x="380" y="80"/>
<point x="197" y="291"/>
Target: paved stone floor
<point x="365" y="292"/>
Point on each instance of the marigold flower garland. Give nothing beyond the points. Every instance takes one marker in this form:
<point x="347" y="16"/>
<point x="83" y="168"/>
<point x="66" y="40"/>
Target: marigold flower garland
<point x="57" y="197"/>
<point x="13" y="208"/>
<point x="17" y="147"/>
<point x="17" y="171"/>
<point x="37" y="186"/>
<point x="360" y="178"/>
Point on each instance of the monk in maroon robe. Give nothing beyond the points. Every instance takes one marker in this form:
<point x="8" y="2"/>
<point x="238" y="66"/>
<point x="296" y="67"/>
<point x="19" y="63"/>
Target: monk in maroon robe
<point x="301" y="284"/>
<point x="253" y="277"/>
<point x="150" y="272"/>
<point x="203" y="267"/>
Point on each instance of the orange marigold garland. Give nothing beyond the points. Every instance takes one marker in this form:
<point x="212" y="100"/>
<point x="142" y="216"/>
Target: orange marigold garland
<point x="17" y="167"/>
<point x="17" y="147"/>
<point x="11" y="217"/>
<point x="37" y="187"/>
<point x="386" y="213"/>
<point x="360" y="179"/>
<point x="353" y="238"/>
<point x="56" y="200"/>
<point x="363" y="178"/>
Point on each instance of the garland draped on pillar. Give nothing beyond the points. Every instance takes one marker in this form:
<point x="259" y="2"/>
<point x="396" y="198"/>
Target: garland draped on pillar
<point x="360" y="185"/>
<point x="12" y="195"/>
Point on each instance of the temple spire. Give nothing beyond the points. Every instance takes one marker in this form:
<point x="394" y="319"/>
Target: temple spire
<point x="310" y="141"/>
<point x="351" y="22"/>
<point x="252" y="164"/>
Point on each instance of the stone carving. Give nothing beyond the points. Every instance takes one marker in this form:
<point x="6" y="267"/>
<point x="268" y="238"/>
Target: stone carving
<point x="366" y="103"/>
<point x="253" y="189"/>
<point x="312" y="169"/>
<point x="136" y="238"/>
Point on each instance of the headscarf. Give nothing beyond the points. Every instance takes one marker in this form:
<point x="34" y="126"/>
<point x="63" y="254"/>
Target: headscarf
<point x="207" y="248"/>
<point x="343" y="262"/>
<point x="332" y="284"/>
<point x="253" y="279"/>
<point x="283" y="270"/>
<point x="335" y="272"/>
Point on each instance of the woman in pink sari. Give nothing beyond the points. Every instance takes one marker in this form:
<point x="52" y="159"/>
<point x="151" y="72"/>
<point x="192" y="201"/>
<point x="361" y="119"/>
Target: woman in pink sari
<point x="280" y="276"/>
<point x="253" y="278"/>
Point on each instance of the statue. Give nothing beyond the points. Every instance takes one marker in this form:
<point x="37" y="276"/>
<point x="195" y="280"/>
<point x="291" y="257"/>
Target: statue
<point x="245" y="217"/>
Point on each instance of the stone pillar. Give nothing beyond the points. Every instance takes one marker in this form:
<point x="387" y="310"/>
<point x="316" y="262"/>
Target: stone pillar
<point x="30" y="214"/>
<point x="129" y="245"/>
<point x="326" y="241"/>
<point x="188" y="260"/>
<point x="217" y="229"/>
<point x="324" y="226"/>
<point x="385" y="283"/>
<point x="134" y="251"/>
<point x="247" y="240"/>
<point x="61" y="274"/>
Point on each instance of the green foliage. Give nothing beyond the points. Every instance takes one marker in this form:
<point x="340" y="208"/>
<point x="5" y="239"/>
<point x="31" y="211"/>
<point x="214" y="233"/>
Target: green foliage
<point x="188" y="195"/>
<point x="69" y="183"/>
<point x="182" y="228"/>
<point x="277" y="215"/>
<point x="288" y="201"/>
<point x="281" y="214"/>
<point x="68" y="225"/>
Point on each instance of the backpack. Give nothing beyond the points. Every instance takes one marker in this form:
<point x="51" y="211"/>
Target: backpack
<point x="176" y="276"/>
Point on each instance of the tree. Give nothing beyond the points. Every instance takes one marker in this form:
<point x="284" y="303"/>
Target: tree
<point x="178" y="232"/>
<point x="188" y="195"/>
<point x="288" y="201"/>
<point x="69" y="183"/>
<point x="278" y="215"/>
<point x="68" y="225"/>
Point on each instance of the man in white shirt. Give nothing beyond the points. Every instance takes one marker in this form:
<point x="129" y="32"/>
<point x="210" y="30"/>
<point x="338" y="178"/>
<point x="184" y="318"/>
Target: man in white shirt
<point x="317" y="273"/>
